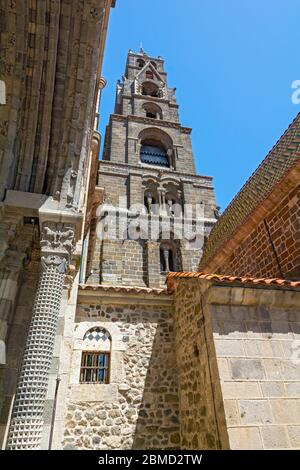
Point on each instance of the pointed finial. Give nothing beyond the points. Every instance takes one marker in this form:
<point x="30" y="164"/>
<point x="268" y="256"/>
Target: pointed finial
<point x="141" y="48"/>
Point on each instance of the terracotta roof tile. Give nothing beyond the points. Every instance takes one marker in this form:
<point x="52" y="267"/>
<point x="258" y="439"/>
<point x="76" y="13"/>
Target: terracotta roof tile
<point x="277" y="164"/>
<point x="122" y="289"/>
<point x="232" y="279"/>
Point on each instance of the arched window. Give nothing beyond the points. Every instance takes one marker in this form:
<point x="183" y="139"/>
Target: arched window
<point x="152" y="111"/>
<point x="173" y="201"/>
<point x="167" y="252"/>
<point x="156" y="148"/>
<point x="149" y="75"/>
<point x="150" y="89"/>
<point x="140" y="63"/>
<point x="95" y="359"/>
<point x="151" y="201"/>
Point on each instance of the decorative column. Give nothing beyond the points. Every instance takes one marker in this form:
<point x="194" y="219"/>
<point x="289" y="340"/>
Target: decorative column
<point x="26" y="424"/>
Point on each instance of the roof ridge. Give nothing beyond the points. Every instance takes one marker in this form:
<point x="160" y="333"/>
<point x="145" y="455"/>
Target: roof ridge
<point x="271" y="170"/>
<point x="232" y="279"/>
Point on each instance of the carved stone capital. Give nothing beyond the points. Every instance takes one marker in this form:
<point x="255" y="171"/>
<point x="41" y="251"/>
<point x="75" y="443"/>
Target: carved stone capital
<point x="58" y="238"/>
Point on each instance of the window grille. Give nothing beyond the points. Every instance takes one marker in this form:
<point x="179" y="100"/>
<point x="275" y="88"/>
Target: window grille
<point x="95" y="367"/>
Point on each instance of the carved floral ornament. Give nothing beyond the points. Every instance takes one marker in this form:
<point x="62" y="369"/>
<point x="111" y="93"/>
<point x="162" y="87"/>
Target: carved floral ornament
<point x="58" y="238"/>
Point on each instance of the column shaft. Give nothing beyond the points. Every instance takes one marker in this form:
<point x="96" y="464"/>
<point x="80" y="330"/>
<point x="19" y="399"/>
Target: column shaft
<point x="26" y="425"/>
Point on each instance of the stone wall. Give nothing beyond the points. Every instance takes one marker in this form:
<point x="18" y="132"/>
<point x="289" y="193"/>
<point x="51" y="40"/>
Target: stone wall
<point x="139" y="408"/>
<point x="202" y="419"/>
<point x="51" y="56"/>
<point x="253" y="334"/>
<point x="133" y="262"/>
<point x="255" y="256"/>
<point x="257" y="344"/>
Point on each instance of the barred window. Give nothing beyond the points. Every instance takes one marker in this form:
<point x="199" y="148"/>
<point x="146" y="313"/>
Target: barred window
<point x="95" y="367"/>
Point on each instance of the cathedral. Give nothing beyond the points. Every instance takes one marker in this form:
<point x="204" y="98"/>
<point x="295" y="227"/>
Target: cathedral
<point x="133" y="315"/>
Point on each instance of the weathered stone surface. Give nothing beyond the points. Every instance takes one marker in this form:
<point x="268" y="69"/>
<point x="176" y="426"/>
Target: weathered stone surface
<point x="247" y="369"/>
<point x="141" y="411"/>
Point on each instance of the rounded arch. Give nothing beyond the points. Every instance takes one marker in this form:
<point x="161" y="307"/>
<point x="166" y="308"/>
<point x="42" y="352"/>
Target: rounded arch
<point x="150" y="88"/>
<point x="152" y="110"/>
<point x="97" y="337"/>
<point x="140" y="63"/>
<point x="168" y="256"/>
<point x="156" y="147"/>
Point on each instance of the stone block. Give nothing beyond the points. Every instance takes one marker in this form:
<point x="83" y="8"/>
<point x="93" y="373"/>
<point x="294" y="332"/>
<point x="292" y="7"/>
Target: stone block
<point x="236" y="389"/>
<point x="294" y="436"/>
<point x="245" y="438"/>
<point x="272" y="368"/>
<point x="274" y="437"/>
<point x="272" y="389"/>
<point x="286" y="411"/>
<point x="255" y="412"/>
<point x="290" y="370"/>
<point x="263" y="348"/>
<point x="94" y="393"/>
<point x="247" y="369"/>
<point x="292" y="389"/>
<point x="231" y="412"/>
<point x="223" y="368"/>
<point x="229" y="348"/>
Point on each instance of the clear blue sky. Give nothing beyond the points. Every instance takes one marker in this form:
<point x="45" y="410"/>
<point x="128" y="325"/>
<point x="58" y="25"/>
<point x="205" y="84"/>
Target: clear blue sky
<point x="232" y="62"/>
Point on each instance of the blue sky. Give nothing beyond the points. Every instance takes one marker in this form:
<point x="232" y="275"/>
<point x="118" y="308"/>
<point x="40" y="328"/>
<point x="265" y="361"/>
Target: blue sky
<point x="232" y="62"/>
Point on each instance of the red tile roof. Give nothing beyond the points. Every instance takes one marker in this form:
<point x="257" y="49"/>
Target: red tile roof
<point x="273" y="169"/>
<point x="231" y="279"/>
<point x="122" y="289"/>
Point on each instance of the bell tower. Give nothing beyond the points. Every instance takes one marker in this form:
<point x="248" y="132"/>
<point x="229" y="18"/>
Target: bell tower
<point x="148" y="175"/>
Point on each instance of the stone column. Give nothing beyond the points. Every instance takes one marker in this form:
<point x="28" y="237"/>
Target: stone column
<point x="166" y="259"/>
<point x="26" y="424"/>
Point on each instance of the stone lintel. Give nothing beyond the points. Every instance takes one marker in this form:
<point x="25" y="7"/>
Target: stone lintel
<point x="49" y="212"/>
<point x="94" y="393"/>
<point x="24" y="200"/>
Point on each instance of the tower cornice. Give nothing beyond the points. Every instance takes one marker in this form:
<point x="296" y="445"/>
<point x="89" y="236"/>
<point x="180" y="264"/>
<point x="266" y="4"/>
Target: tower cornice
<point x="150" y="121"/>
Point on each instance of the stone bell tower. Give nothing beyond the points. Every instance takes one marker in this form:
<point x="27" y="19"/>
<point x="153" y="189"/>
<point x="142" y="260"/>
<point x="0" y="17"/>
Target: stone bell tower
<point x="148" y="182"/>
<point x="148" y="174"/>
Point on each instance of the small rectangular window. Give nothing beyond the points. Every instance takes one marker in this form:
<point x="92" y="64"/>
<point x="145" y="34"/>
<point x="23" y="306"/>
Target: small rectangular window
<point x="94" y="367"/>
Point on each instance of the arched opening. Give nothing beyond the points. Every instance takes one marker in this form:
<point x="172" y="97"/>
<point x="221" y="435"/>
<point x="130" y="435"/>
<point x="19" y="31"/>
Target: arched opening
<point x="140" y="63"/>
<point x="149" y="75"/>
<point x="151" y="201"/>
<point x="156" y="148"/>
<point x="152" y="111"/>
<point x="154" y="64"/>
<point x="167" y="254"/>
<point x="150" y="89"/>
<point x="95" y="358"/>
<point x="173" y="201"/>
